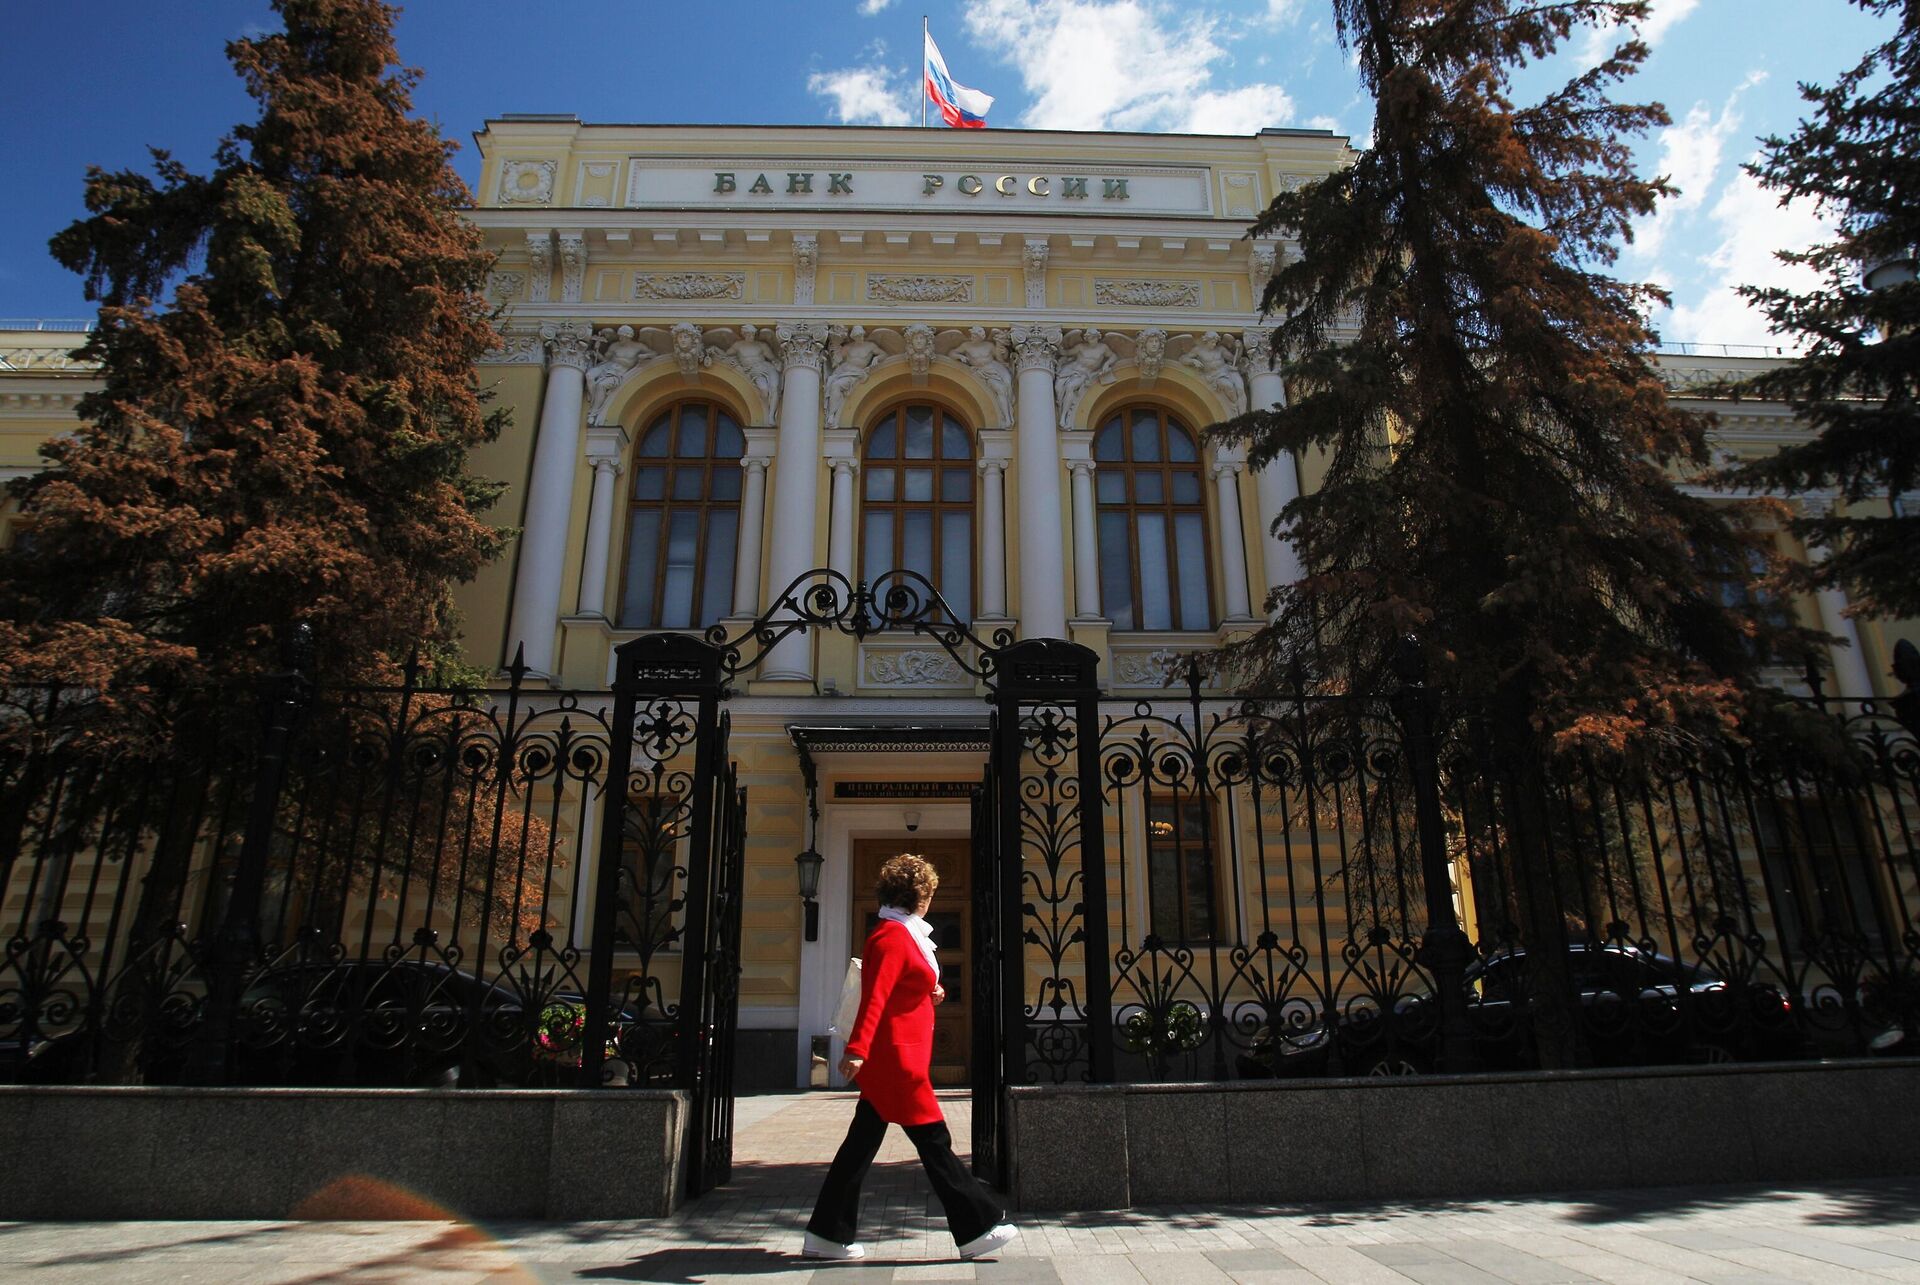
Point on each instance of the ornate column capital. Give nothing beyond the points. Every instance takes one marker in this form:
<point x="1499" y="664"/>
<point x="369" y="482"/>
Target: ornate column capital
<point x="569" y="344"/>
<point x="845" y="464"/>
<point x="991" y="464"/>
<point x="1037" y="347"/>
<point x="802" y="344"/>
<point x="1081" y="468"/>
<point x="1226" y="468"/>
<point x="754" y="463"/>
<point x="1257" y="349"/>
<point x="606" y="464"/>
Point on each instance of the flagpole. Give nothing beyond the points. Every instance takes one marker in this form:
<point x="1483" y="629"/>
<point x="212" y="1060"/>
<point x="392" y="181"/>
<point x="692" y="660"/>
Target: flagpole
<point x="923" y="71"/>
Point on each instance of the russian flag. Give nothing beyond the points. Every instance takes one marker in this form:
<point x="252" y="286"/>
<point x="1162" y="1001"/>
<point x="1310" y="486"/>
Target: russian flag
<point x="959" y="106"/>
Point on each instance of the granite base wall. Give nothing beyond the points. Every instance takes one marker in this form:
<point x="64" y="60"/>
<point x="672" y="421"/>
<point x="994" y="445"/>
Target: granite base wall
<point x="83" y="1153"/>
<point x="1110" y="1147"/>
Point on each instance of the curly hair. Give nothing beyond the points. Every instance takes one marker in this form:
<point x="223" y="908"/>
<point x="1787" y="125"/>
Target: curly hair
<point x="906" y="881"/>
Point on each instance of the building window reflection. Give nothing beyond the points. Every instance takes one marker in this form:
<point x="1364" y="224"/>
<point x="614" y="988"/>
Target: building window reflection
<point x="1153" y="522"/>
<point x="917" y="513"/>
<point x="683" y="519"/>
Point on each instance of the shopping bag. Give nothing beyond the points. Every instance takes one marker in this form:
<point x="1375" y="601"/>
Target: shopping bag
<point x="849" y="1007"/>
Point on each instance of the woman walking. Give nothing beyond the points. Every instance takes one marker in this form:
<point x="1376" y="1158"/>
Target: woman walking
<point x="888" y="1055"/>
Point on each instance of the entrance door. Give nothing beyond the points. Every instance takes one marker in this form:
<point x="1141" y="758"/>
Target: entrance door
<point x="952" y="921"/>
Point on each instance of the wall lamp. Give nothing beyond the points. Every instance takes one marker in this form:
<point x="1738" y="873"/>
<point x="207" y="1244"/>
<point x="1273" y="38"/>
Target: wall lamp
<point x="809" y="863"/>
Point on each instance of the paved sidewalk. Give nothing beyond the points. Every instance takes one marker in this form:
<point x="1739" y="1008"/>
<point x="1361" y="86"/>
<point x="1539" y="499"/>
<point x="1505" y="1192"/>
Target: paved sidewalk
<point x="750" y="1230"/>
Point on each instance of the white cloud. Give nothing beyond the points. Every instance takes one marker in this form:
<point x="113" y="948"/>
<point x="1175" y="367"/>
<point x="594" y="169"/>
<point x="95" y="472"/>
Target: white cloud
<point x="1601" y="41"/>
<point x="1121" y="64"/>
<point x="1283" y="11"/>
<point x="870" y="7"/>
<point x="1751" y="225"/>
<point x="870" y="95"/>
<point x="1690" y="157"/>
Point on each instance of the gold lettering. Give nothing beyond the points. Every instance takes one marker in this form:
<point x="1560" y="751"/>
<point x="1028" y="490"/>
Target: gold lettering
<point x="761" y="185"/>
<point x="1037" y="185"/>
<point x="973" y="179"/>
<point x="1073" y="186"/>
<point x="933" y="184"/>
<point x="723" y="182"/>
<point x="1004" y="184"/>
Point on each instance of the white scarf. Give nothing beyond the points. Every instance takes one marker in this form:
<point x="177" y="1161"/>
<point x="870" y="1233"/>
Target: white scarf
<point x="922" y="933"/>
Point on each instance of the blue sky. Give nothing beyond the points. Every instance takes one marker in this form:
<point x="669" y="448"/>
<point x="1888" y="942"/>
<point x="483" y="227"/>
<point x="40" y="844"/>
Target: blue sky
<point x="95" y="81"/>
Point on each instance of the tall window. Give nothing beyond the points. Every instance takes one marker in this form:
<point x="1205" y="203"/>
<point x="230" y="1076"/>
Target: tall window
<point x="1180" y="870"/>
<point x="683" y="521"/>
<point x="1153" y="523"/>
<point x="918" y="513"/>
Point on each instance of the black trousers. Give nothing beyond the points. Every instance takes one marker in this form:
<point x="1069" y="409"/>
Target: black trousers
<point x="971" y="1211"/>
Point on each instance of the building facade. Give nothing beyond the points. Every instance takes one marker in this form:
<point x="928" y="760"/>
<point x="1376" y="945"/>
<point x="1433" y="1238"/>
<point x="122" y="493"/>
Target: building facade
<point x="735" y="355"/>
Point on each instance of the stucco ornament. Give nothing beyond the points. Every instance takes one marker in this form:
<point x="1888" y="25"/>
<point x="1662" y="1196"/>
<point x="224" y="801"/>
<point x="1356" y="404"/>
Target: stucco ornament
<point x="682" y="286"/>
<point x="1036" y="347"/>
<point x="1033" y="264"/>
<point x="1217" y="358"/>
<point x="852" y="357"/>
<point x="540" y="266"/>
<point x="1084" y="360"/>
<point x="929" y="668"/>
<point x="1260" y="265"/>
<point x="616" y="353"/>
<point x="505" y="287"/>
<point x="527" y="182"/>
<point x="806" y="259"/>
<point x="1138" y="668"/>
<point x="1146" y="294"/>
<point x="920" y="289"/>
<point x="753" y="357"/>
<point x="986" y="356"/>
<point x="921" y="346"/>
<point x="1149" y="351"/>
<point x="573" y="265"/>
<point x="569" y="343"/>
<point x="689" y="349"/>
<point x="803" y="344"/>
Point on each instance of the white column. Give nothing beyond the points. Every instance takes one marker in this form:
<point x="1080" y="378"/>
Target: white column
<point x="993" y="538"/>
<point x="593" y="576"/>
<point x="1233" y="539"/>
<point x="840" y="522"/>
<point x="1850" y="676"/>
<point x="543" y="544"/>
<point x="1278" y="484"/>
<point x="1086" y="546"/>
<point x="1043" y="588"/>
<point x="796" y="488"/>
<point x="753" y="516"/>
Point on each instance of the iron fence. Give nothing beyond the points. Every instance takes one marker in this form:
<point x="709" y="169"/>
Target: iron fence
<point x="1326" y="885"/>
<point x="359" y="886"/>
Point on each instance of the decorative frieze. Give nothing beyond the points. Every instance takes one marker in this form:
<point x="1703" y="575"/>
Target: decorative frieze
<point x="920" y="289"/>
<point x="681" y="287"/>
<point x="519" y="347"/>
<point x="527" y="182"/>
<point x="1144" y="667"/>
<point x="1111" y="293"/>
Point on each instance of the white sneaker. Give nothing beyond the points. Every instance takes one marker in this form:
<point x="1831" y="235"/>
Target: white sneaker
<point x="997" y="1239"/>
<point x="820" y="1247"/>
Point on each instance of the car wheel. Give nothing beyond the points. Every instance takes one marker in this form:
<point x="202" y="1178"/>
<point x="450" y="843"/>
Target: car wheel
<point x="1712" y="1054"/>
<point x="1391" y="1065"/>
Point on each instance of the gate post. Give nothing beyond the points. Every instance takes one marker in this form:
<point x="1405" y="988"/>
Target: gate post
<point x="1444" y="949"/>
<point x="1052" y="674"/>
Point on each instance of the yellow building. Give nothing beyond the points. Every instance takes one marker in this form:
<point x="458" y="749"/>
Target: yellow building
<point x="734" y="355"/>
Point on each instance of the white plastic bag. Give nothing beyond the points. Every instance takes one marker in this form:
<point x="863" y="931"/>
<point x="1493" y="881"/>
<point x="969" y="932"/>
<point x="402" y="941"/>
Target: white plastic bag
<point x="849" y="1007"/>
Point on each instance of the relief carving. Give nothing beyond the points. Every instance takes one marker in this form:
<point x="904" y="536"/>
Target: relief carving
<point x="930" y="668"/>
<point x="1139" y="668"/>
<point x="1146" y="294"/>
<point x="527" y="182"/>
<point x="918" y="289"/>
<point x="682" y="286"/>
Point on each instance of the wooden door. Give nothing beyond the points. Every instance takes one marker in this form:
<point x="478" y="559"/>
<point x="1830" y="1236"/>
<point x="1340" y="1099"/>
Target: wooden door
<point x="952" y="922"/>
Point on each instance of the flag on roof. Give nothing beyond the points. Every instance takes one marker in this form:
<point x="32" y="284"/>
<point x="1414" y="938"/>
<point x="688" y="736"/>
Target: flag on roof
<point x="959" y="106"/>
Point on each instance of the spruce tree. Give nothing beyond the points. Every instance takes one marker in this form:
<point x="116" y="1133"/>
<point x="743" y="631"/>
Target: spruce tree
<point x="1498" y="442"/>
<point x="1857" y="382"/>
<point x="286" y="351"/>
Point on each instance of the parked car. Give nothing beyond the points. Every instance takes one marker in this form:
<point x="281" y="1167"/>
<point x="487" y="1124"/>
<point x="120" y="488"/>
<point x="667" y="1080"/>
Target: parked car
<point x="1636" y="1008"/>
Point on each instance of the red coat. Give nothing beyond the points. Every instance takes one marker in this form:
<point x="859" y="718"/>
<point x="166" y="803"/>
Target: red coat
<point x="894" y="1031"/>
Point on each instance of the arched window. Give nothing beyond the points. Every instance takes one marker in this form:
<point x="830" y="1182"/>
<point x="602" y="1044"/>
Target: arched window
<point x="1153" y="522"/>
<point x="683" y="520"/>
<point x="918" y="513"/>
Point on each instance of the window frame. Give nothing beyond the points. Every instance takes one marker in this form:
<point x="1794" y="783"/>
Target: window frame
<point x="898" y="464"/>
<point x="666" y="506"/>
<point x="1224" y="930"/>
<point x="1170" y="510"/>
